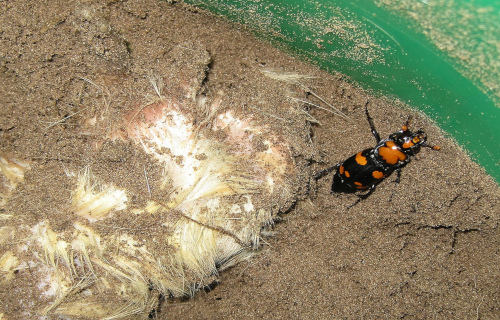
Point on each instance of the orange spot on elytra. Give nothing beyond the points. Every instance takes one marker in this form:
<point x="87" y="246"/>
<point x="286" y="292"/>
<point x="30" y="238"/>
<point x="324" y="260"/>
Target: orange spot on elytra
<point x="343" y="171"/>
<point x="360" y="186"/>
<point x="360" y="159"/>
<point x="391" y="153"/>
<point x="378" y="174"/>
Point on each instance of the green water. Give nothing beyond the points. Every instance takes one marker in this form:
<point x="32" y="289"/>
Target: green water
<point x="383" y="52"/>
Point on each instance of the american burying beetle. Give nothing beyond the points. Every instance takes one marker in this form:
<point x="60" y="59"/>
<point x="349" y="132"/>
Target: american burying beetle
<point x="366" y="169"/>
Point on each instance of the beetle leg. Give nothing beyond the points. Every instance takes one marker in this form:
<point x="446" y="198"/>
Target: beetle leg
<point x="323" y="173"/>
<point x="355" y="203"/>
<point x="370" y="121"/>
<point x="363" y="196"/>
<point x="366" y="195"/>
<point x="398" y="179"/>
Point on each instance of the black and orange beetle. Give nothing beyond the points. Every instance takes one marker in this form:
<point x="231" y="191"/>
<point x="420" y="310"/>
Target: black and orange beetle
<point x="367" y="168"/>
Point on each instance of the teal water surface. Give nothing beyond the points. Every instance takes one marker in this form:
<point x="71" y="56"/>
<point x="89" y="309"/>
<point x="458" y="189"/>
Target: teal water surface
<point x="382" y="52"/>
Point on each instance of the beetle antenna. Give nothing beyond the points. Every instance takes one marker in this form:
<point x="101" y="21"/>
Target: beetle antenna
<point x="430" y="146"/>
<point x="370" y="121"/>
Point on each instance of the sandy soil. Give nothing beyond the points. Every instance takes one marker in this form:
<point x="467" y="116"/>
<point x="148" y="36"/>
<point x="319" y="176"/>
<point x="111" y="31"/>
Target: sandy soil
<point x="426" y="248"/>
